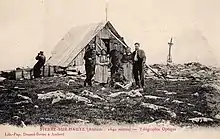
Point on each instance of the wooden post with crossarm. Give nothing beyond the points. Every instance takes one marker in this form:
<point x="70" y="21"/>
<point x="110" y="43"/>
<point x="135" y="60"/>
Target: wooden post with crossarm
<point x="169" y="58"/>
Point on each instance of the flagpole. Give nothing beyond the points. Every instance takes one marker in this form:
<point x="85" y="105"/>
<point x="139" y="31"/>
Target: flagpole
<point x="106" y="10"/>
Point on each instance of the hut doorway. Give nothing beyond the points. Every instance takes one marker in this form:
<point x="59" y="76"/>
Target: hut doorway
<point x="107" y="44"/>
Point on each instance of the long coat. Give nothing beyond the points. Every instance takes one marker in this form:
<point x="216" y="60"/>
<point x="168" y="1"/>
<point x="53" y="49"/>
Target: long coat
<point x="102" y="73"/>
<point x="127" y="67"/>
<point x="140" y="55"/>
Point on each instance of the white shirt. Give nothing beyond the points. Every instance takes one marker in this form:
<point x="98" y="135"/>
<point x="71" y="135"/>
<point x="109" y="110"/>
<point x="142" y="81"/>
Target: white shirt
<point x="135" y="56"/>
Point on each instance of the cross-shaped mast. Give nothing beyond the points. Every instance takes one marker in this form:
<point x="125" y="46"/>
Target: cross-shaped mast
<point x="169" y="58"/>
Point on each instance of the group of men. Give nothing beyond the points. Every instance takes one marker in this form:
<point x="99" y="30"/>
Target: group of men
<point x="137" y="58"/>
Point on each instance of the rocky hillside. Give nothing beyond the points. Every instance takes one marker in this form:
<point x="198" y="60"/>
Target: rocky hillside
<point x="188" y="96"/>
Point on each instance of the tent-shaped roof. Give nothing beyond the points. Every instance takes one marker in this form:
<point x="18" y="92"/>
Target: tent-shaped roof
<point x="74" y="41"/>
<point x="192" y="46"/>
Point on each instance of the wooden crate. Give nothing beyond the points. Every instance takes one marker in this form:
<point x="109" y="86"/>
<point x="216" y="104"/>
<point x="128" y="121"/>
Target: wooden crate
<point x="19" y="74"/>
<point x="9" y="74"/>
<point x="47" y="71"/>
<point x="27" y="74"/>
<point x="44" y="71"/>
<point x="52" y="70"/>
<point x="23" y="74"/>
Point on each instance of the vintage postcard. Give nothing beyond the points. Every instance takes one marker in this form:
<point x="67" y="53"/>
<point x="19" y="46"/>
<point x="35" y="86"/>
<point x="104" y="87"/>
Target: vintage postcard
<point x="83" y="69"/>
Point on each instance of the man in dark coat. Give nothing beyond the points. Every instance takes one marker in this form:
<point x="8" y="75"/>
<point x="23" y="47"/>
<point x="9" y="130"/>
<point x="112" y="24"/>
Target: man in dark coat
<point x="90" y="62"/>
<point x="41" y="61"/>
<point x="116" y="65"/>
<point x="139" y="59"/>
<point x="115" y="59"/>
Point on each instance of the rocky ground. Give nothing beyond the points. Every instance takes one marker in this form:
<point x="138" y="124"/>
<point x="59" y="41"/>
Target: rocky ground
<point x="189" y="96"/>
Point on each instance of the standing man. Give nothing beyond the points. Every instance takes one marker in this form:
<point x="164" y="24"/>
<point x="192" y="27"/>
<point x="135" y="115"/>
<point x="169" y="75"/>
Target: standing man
<point x="90" y="62"/>
<point x="115" y="59"/>
<point x="139" y="59"/>
<point x="41" y="61"/>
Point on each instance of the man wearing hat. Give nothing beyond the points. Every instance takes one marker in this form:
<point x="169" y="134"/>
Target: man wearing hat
<point x="90" y="62"/>
<point x="41" y="61"/>
<point x="139" y="59"/>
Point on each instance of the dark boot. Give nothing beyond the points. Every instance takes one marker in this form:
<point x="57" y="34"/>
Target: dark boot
<point x="137" y="84"/>
<point x="90" y="83"/>
<point x="85" y="83"/>
<point x="142" y="84"/>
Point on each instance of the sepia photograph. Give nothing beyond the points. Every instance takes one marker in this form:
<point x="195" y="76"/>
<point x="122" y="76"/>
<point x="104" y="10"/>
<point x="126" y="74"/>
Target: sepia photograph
<point x="93" y="68"/>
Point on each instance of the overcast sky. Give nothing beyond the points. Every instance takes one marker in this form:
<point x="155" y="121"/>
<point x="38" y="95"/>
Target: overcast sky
<point x="27" y="26"/>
